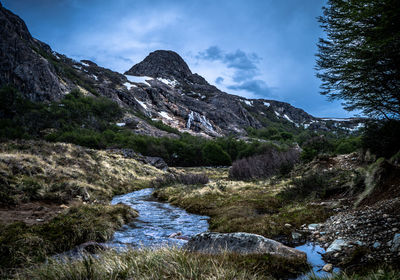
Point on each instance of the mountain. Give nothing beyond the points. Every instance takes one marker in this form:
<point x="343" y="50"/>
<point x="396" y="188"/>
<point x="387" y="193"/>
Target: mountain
<point x="161" y="87"/>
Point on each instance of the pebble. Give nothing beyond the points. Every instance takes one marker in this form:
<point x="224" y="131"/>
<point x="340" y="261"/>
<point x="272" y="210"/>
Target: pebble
<point x="328" y="267"/>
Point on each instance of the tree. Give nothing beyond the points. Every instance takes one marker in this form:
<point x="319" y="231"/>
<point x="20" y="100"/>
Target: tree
<point x="359" y="60"/>
<point x="214" y="155"/>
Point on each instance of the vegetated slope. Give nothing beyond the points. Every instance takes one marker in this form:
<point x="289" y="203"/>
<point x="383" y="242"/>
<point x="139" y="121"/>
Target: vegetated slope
<point x="161" y="87"/>
<point x="60" y="173"/>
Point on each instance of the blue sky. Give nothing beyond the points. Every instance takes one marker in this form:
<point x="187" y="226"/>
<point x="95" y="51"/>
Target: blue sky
<point x="257" y="49"/>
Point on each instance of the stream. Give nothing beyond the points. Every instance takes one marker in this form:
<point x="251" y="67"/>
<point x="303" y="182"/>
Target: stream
<point x="158" y="220"/>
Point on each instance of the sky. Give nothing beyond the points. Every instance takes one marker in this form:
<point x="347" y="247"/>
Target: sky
<point x="253" y="48"/>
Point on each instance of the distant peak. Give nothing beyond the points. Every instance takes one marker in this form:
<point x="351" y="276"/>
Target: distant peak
<point x="163" y="64"/>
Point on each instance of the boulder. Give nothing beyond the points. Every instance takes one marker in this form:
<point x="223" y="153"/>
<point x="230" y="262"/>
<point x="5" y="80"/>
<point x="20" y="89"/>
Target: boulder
<point x="241" y="243"/>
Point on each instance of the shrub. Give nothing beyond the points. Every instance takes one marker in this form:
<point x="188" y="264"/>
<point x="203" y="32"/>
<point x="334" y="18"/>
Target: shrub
<point x="185" y="179"/>
<point x="193" y="179"/>
<point x="316" y="145"/>
<point x="265" y="165"/>
<point x="313" y="185"/>
<point x="382" y="138"/>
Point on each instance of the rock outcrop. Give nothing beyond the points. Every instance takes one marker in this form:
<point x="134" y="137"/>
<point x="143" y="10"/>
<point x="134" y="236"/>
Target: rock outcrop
<point x="163" y="64"/>
<point x="23" y="63"/>
<point x="241" y="243"/>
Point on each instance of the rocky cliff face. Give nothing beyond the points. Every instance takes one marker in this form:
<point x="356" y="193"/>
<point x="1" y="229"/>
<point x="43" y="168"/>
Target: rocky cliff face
<point x="22" y="65"/>
<point x="161" y="87"/>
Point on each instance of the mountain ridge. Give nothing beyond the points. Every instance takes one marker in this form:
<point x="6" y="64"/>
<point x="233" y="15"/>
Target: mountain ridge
<point x="171" y="93"/>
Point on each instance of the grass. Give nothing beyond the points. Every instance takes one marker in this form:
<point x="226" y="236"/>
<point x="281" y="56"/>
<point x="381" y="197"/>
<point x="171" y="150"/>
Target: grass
<point x="22" y="245"/>
<point x="167" y="263"/>
<point x="58" y="172"/>
<point x="252" y="207"/>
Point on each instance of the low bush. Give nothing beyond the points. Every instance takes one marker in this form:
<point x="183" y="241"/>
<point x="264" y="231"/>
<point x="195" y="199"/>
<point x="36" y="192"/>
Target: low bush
<point x="193" y="179"/>
<point x="269" y="163"/>
<point x="185" y="179"/>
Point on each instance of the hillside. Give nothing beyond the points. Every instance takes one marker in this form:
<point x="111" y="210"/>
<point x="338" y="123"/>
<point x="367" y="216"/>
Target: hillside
<point x="161" y="87"/>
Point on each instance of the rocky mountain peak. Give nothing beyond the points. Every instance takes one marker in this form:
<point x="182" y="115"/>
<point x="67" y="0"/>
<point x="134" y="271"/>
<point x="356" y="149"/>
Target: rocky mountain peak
<point x="161" y="64"/>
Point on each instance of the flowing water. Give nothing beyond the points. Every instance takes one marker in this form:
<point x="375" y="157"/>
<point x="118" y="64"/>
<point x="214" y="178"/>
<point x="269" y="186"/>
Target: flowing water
<point x="158" y="220"/>
<point x="314" y="257"/>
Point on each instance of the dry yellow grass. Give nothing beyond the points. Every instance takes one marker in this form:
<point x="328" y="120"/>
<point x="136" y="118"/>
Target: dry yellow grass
<point x="249" y="206"/>
<point x="59" y="168"/>
<point x="168" y="263"/>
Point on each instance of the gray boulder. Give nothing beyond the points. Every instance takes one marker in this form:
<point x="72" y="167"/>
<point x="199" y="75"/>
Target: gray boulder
<point x="241" y="243"/>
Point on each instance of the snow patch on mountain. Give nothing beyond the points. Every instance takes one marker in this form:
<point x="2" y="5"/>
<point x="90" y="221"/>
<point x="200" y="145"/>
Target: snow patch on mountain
<point x="139" y="79"/>
<point x="171" y="83"/>
<point x="142" y="104"/>
<point x="248" y="102"/>
<point x="165" y="115"/>
<point x="129" y="85"/>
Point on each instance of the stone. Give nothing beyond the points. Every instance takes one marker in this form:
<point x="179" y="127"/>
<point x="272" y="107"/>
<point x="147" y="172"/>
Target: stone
<point x="337" y="245"/>
<point x="314" y="226"/>
<point x="288" y="225"/>
<point x="296" y="235"/>
<point x="395" y="244"/>
<point x="240" y="243"/>
<point x="376" y="245"/>
<point x="328" y="267"/>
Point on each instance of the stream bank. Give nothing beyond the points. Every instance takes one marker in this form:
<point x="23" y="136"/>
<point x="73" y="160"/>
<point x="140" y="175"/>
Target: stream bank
<point x="158" y="221"/>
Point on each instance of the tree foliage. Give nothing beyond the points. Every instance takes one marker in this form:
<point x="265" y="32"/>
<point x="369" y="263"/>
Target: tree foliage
<point x="359" y="60"/>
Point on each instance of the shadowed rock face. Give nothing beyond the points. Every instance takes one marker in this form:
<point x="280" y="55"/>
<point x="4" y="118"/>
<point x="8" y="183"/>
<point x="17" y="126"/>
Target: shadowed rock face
<point x="241" y="243"/>
<point x="21" y="63"/>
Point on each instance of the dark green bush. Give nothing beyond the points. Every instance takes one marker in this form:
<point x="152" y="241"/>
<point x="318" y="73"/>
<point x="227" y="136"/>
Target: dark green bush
<point x="382" y="138"/>
<point x="214" y="155"/>
<point x="311" y="186"/>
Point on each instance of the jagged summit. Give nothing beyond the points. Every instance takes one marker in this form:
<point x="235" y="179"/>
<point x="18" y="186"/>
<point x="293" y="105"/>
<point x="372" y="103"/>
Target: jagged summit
<point x="161" y="64"/>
